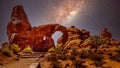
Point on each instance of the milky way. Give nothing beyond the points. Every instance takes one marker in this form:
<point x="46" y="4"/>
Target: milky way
<point x="66" y="11"/>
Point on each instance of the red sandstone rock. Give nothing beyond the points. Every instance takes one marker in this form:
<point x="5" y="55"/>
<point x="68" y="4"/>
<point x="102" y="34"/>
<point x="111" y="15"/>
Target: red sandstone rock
<point x="18" y="22"/>
<point x="74" y="35"/>
<point x="39" y="38"/>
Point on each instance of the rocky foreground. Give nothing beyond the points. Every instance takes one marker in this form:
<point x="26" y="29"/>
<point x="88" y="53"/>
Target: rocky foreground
<point x="76" y="48"/>
<point x="84" y="51"/>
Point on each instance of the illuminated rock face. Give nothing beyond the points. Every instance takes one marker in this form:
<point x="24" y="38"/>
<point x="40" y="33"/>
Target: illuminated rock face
<point x="75" y="38"/>
<point x="39" y="38"/>
<point x="18" y="22"/>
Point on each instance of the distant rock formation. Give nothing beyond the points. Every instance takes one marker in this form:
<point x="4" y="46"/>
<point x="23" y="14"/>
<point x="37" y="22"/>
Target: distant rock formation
<point x="20" y="32"/>
<point x="82" y="39"/>
<point x="105" y="33"/>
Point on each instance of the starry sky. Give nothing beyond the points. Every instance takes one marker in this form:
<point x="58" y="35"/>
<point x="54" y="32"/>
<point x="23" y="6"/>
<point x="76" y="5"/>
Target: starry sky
<point x="92" y="15"/>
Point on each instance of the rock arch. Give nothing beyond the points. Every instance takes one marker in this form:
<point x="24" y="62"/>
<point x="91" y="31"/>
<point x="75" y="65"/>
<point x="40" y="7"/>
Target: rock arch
<point x="19" y="31"/>
<point x="35" y="37"/>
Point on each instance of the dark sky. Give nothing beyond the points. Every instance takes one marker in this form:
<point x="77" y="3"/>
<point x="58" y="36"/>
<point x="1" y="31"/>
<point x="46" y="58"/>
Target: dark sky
<point x="94" y="16"/>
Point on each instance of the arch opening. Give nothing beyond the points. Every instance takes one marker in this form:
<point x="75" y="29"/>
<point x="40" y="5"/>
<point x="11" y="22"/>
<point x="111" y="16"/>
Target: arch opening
<point x="56" y="36"/>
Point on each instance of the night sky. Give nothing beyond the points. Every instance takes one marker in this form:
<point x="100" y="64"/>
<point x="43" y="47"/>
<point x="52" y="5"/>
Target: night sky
<point x="92" y="15"/>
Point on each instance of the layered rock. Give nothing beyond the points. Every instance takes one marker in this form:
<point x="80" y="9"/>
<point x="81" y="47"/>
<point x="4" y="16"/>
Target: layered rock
<point x="75" y="33"/>
<point x="75" y="38"/>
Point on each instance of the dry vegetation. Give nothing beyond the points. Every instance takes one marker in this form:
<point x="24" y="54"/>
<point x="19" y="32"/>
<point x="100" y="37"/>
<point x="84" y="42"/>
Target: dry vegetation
<point x="93" y="52"/>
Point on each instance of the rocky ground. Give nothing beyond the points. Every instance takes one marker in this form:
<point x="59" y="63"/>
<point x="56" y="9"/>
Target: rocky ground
<point x="82" y="58"/>
<point x="70" y="59"/>
<point x="84" y="51"/>
<point x="22" y="63"/>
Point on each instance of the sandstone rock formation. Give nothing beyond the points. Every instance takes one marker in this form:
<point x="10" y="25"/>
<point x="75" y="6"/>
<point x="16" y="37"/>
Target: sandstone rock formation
<point x="75" y="38"/>
<point x="18" y="22"/>
<point x="38" y="38"/>
<point x="105" y="33"/>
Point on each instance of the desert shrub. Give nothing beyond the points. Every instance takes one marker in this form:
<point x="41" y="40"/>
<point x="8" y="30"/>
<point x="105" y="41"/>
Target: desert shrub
<point x="79" y="63"/>
<point x="96" y="57"/>
<point x="15" y="48"/>
<point x="52" y="57"/>
<point x="55" y="57"/>
<point x="58" y="50"/>
<point x="28" y="50"/>
<point x="63" y="52"/>
<point x="72" y="57"/>
<point x="115" y="57"/>
<point x="74" y="52"/>
<point x="83" y="54"/>
<point x="97" y="41"/>
<point x="99" y="63"/>
<point x="55" y="64"/>
<point x="94" y="41"/>
<point x="6" y="52"/>
<point x="63" y="57"/>
<point x="105" y="45"/>
<point x="51" y="49"/>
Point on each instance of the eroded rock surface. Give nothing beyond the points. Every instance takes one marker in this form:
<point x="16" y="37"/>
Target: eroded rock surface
<point x="39" y="38"/>
<point x="18" y="22"/>
<point x="75" y="38"/>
